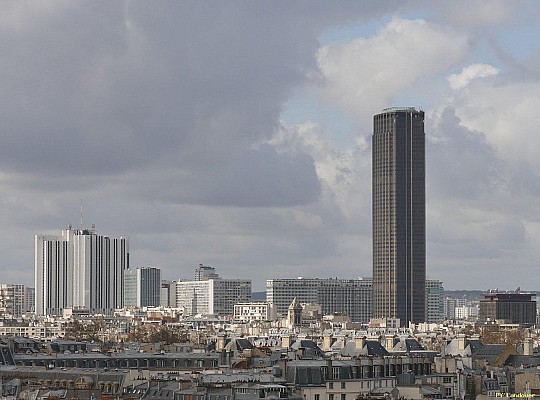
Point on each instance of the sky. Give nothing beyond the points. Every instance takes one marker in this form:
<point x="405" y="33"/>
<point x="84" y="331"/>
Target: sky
<point x="237" y="134"/>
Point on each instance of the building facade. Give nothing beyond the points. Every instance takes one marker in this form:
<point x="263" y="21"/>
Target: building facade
<point x="168" y="293"/>
<point x="399" y="234"/>
<point x="79" y="269"/>
<point x="142" y="287"/>
<point x="16" y="300"/>
<point x="254" y="311"/>
<point x="349" y="296"/>
<point x="508" y="307"/>
<point x="450" y="305"/>
<point x="212" y="297"/>
<point x="434" y="301"/>
<point x="204" y="272"/>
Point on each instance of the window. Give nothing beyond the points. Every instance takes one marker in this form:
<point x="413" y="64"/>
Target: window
<point x="343" y="396"/>
<point x="330" y="385"/>
<point x="447" y="379"/>
<point x="343" y="385"/>
<point x="317" y="397"/>
<point x="330" y="397"/>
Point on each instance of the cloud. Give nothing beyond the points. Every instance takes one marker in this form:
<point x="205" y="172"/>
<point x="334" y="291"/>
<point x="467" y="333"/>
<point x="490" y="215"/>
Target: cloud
<point x="479" y="217"/>
<point x="461" y="80"/>
<point x="477" y="14"/>
<point x="365" y="75"/>
<point x="160" y="117"/>
<point x="505" y="112"/>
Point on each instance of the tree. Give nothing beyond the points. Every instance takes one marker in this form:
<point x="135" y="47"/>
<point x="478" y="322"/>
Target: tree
<point x="84" y="331"/>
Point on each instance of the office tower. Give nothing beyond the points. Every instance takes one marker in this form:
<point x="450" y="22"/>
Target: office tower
<point x="399" y="234"/>
<point x="6" y="301"/>
<point x="212" y="297"/>
<point x="434" y="301"/>
<point x="203" y="273"/>
<point x="508" y="307"/>
<point x="209" y="294"/>
<point x="168" y="293"/>
<point x="349" y="296"/>
<point x="79" y="269"/>
<point x="450" y="306"/>
<point x="142" y="287"/>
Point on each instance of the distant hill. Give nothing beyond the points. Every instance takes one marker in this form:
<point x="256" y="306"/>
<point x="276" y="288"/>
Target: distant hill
<point x="465" y="294"/>
<point x="470" y="295"/>
<point x="258" y="296"/>
<point x="474" y="294"/>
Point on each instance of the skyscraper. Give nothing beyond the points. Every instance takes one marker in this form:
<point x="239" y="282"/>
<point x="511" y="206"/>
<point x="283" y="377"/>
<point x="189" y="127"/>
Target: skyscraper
<point x="399" y="228"/>
<point x="79" y="269"/>
<point x="142" y="287"/>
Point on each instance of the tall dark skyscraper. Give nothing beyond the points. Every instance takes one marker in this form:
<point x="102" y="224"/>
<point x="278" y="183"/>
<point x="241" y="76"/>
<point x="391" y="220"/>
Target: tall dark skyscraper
<point x="399" y="215"/>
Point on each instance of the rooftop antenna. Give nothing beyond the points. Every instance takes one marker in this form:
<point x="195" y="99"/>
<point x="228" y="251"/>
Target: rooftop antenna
<point x="81" y="215"/>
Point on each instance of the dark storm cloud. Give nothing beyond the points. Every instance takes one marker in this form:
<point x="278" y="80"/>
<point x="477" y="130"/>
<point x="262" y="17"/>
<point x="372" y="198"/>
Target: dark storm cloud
<point x="155" y="114"/>
<point x="99" y="88"/>
<point x="461" y="163"/>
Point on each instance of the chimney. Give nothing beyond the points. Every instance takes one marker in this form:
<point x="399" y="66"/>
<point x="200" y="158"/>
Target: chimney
<point x="327" y="341"/>
<point x="328" y="369"/>
<point x="285" y="341"/>
<point x="389" y="342"/>
<point x="221" y="340"/>
<point x="528" y="347"/>
<point x="461" y="341"/>
<point x="359" y="342"/>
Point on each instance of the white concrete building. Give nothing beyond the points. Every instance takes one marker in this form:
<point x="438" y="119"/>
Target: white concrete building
<point x="79" y="269"/>
<point x="349" y="296"/>
<point x="16" y="300"/>
<point x="212" y="297"/>
<point x="142" y="287"/>
<point x="450" y="305"/>
<point x="466" y="312"/>
<point x="254" y="311"/>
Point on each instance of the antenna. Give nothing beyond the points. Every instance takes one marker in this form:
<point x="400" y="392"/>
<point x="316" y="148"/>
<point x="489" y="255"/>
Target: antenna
<point x="81" y="215"/>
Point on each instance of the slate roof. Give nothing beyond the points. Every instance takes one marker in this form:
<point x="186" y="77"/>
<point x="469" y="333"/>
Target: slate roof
<point x="490" y="352"/>
<point x="371" y="348"/>
<point x="309" y="347"/>
<point x="407" y="345"/>
<point x="520" y="360"/>
<point x="6" y="357"/>
<point x="239" y="344"/>
<point x="472" y="346"/>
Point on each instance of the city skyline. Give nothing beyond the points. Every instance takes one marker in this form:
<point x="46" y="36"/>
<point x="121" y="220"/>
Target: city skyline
<point x="238" y="135"/>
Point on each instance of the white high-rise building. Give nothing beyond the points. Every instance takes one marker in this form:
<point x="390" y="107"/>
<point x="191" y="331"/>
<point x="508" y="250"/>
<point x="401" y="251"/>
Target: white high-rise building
<point x="213" y="296"/>
<point x="210" y="294"/>
<point x="79" y="269"/>
<point x="16" y="300"/>
<point x="142" y="287"/>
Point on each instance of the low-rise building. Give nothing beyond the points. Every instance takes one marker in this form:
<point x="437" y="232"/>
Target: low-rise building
<point x="254" y="311"/>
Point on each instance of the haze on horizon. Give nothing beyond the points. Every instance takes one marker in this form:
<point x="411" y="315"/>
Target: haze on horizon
<point x="237" y="134"/>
